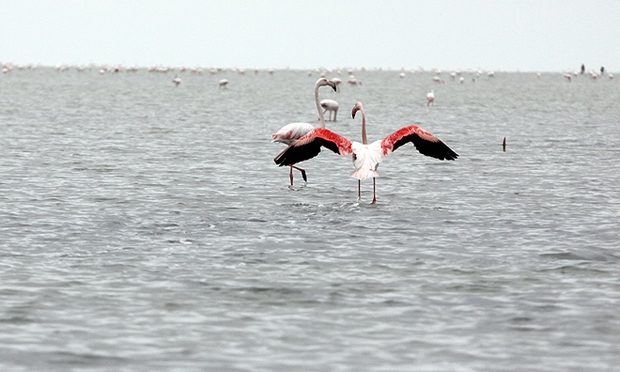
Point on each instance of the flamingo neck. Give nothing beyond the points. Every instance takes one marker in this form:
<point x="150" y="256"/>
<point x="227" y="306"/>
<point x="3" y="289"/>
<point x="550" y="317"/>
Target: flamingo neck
<point x="364" y="138"/>
<point x="318" y="106"/>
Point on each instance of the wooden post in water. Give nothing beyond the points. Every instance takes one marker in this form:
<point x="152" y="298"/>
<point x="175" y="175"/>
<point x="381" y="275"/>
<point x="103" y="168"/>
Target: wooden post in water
<point x="504" y="144"/>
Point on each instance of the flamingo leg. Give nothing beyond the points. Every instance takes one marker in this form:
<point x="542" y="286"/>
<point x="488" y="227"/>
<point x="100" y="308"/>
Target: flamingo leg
<point x="303" y="173"/>
<point x="291" y="176"/>
<point x="374" y="190"/>
<point x="359" y="190"/>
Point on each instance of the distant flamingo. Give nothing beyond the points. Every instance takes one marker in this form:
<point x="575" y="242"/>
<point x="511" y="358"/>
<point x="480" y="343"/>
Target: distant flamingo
<point x="290" y="133"/>
<point x="331" y="106"/>
<point x="353" y="81"/>
<point x="223" y="83"/>
<point x="337" y="81"/>
<point x="430" y="98"/>
<point x="366" y="157"/>
<point x="177" y="80"/>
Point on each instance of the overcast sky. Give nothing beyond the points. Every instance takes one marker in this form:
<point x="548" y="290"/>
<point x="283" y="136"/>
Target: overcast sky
<point x="539" y="35"/>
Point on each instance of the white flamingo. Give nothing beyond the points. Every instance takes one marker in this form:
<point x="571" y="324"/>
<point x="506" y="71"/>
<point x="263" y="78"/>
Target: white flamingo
<point x="366" y="157"/>
<point x="430" y="98"/>
<point x="331" y="106"/>
<point x="290" y="133"/>
<point x="337" y="81"/>
<point x="177" y="80"/>
<point x="223" y="83"/>
<point x="353" y="81"/>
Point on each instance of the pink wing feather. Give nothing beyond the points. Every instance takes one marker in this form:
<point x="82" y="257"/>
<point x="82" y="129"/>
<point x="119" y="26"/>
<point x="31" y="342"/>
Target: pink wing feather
<point x="426" y="143"/>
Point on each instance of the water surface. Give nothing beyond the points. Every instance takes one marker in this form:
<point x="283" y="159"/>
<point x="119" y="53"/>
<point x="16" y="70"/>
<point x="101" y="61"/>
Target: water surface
<point x="146" y="226"/>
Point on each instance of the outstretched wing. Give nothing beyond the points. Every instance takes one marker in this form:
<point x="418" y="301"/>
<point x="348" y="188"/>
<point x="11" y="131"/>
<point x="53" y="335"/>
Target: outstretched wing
<point x="310" y="145"/>
<point x="426" y="143"/>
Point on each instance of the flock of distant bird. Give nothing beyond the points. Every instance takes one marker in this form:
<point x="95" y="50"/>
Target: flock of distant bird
<point x="304" y="142"/>
<point x="103" y="69"/>
<point x="593" y="75"/>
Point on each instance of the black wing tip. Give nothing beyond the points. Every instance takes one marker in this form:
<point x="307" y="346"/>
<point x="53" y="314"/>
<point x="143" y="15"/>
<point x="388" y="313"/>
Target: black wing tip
<point x="281" y="157"/>
<point x="445" y="152"/>
<point x="448" y="154"/>
<point x="451" y="155"/>
<point x="295" y="154"/>
<point x="284" y="160"/>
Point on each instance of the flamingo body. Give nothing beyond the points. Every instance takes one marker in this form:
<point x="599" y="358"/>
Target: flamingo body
<point x="430" y="97"/>
<point x="291" y="132"/>
<point x="331" y="106"/>
<point x="366" y="159"/>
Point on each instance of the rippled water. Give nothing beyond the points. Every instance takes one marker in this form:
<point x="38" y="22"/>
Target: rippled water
<point x="146" y="226"/>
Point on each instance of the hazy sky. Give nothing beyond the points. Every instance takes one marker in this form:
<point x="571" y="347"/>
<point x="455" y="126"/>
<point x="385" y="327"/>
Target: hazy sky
<point x="527" y="35"/>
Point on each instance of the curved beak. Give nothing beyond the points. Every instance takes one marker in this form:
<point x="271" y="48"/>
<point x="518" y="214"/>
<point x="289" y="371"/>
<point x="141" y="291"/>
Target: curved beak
<point x="332" y="84"/>
<point x="353" y="112"/>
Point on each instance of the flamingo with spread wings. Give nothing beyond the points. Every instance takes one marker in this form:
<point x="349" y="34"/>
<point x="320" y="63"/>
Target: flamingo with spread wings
<point x="366" y="157"/>
<point x="290" y="133"/>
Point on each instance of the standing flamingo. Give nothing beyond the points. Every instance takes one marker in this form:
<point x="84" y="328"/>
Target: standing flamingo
<point x="430" y="97"/>
<point x="337" y="81"/>
<point x="366" y="157"/>
<point x="290" y="133"/>
<point x="177" y="80"/>
<point x="331" y="106"/>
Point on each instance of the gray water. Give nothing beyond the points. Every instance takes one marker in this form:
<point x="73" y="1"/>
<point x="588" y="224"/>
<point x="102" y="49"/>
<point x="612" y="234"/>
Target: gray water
<point x="145" y="226"/>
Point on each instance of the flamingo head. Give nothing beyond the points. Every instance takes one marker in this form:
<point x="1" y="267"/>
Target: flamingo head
<point x="324" y="81"/>
<point x="358" y="106"/>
